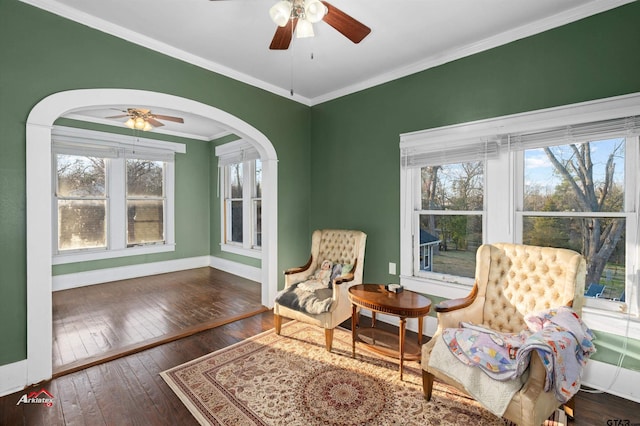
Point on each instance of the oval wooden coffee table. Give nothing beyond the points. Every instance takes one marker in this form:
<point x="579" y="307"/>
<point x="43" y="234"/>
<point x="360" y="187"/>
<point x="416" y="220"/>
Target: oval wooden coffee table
<point x="406" y="304"/>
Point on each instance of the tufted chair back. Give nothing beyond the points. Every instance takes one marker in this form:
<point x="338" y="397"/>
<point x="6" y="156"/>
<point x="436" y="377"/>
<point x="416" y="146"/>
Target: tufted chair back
<point x="514" y="280"/>
<point x="339" y="246"/>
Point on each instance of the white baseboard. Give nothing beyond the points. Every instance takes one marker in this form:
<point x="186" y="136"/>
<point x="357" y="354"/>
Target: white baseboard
<point x="245" y="271"/>
<point x="80" y="279"/>
<point x="13" y="377"/>
<point x="607" y="378"/>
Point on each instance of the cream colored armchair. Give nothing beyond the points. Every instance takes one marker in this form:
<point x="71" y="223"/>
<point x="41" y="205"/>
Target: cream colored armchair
<point x="511" y="281"/>
<point x="340" y="247"/>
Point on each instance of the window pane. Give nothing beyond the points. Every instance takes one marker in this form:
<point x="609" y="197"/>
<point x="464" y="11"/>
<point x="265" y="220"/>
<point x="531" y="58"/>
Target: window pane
<point x="80" y="176"/>
<point x="448" y="244"/>
<point x="81" y="224"/>
<point x="258" y="182"/>
<point x="236" y="221"/>
<point x="257" y="225"/>
<point x="145" y="178"/>
<point x="453" y="186"/>
<point x="145" y="221"/>
<point x="235" y="180"/>
<point x="600" y="240"/>
<point x="585" y="177"/>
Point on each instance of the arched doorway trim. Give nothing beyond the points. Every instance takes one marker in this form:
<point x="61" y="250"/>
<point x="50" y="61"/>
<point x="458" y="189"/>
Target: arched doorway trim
<point x="39" y="226"/>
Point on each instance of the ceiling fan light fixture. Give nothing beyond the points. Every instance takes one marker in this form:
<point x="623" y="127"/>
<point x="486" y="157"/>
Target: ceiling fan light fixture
<point x="304" y="29"/>
<point x="130" y="123"/>
<point x="281" y="12"/>
<point x="139" y="123"/>
<point x="314" y="10"/>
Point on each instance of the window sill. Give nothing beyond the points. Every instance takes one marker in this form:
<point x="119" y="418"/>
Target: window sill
<point x="434" y="287"/>
<point x="609" y="321"/>
<point x="230" y="248"/>
<point x="85" y="256"/>
<point x="598" y="314"/>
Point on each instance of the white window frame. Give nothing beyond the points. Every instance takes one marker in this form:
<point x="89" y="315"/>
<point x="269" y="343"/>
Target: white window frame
<point x="439" y="276"/>
<point x="236" y="152"/>
<point x="122" y="146"/>
<point x="503" y="188"/>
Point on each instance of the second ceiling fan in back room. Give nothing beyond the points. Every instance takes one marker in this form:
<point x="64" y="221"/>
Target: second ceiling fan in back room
<point x="144" y="119"/>
<point x="298" y="16"/>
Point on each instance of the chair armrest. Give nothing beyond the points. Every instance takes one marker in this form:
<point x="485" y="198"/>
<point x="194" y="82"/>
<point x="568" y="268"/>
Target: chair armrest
<point x="455" y="304"/>
<point x="299" y="269"/>
<point x="344" y="278"/>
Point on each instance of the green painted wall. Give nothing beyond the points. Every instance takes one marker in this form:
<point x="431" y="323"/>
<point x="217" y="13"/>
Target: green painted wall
<point x="355" y="167"/>
<point x="41" y="54"/>
<point x="338" y="161"/>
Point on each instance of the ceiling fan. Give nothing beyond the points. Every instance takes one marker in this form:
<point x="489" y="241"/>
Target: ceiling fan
<point x="289" y="14"/>
<point x="144" y="119"/>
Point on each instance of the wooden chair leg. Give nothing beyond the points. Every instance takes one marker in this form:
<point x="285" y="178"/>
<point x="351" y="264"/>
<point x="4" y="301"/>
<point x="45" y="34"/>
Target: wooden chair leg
<point x="277" y="320"/>
<point x="427" y="384"/>
<point x="570" y="407"/>
<point x="328" y="337"/>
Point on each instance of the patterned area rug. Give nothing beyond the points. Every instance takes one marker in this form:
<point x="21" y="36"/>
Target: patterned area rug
<point x="292" y="380"/>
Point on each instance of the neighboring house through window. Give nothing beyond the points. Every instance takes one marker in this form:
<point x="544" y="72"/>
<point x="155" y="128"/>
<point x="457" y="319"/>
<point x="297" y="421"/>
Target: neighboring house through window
<point x="113" y="195"/>
<point x="240" y="176"/>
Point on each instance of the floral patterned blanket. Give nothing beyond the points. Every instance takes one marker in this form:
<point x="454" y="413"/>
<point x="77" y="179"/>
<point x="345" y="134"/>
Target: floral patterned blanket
<point x="558" y="335"/>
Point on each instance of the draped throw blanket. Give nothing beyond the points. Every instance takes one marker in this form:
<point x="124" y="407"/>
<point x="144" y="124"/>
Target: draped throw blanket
<point x="558" y="335"/>
<point x="314" y="295"/>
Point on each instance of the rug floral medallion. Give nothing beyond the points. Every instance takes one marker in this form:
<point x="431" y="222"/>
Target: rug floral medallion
<point x="292" y="380"/>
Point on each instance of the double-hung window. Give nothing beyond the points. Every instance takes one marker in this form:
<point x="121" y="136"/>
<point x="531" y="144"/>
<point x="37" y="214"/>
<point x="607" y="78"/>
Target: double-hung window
<point x="565" y="177"/>
<point x="240" y="173"/>
<point x="577" y="190"/>
<point x="113" y="195"/>
<point x="447" y="207"/>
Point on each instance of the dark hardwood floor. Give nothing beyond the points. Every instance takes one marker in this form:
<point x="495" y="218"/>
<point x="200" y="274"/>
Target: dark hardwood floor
<point x="129" y="390"/>
<point x="101" y="322"/>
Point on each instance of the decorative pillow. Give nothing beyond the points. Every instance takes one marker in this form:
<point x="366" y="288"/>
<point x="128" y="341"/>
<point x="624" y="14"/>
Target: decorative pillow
<point x="339" y="270"/>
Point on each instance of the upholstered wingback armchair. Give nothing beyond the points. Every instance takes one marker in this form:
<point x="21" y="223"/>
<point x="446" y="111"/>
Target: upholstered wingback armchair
<point x="340" y="247"/>
<point x="512" y="281"/>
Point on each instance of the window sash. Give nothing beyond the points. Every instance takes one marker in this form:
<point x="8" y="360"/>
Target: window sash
<point x="116" y="149"/>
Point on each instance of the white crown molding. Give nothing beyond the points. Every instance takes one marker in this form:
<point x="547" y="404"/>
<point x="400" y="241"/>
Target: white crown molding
<point x="539" y="26"/>
<point x="166" y="49"/>
<point x="503" y="38"/>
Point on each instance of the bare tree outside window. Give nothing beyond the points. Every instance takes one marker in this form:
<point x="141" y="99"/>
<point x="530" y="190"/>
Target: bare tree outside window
<point x="81" y="202"/>
<point x="451" y="217"/>
<point x="586" y="185"/>
<point x="145" y="202"/>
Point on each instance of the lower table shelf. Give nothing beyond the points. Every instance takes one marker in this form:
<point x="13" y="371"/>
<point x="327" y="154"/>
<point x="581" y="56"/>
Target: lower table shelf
<point x="387" y="343"/>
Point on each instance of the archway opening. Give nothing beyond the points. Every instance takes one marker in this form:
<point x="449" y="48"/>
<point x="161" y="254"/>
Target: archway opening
<point x="39" y="223"/>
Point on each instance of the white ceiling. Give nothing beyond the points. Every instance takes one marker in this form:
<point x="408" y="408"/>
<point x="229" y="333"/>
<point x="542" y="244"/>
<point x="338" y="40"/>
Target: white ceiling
<point x="232" y="37"/>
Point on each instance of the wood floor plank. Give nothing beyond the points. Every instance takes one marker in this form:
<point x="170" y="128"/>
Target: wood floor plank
<point x="95" y="322"/>
<point x="130" y="390"/>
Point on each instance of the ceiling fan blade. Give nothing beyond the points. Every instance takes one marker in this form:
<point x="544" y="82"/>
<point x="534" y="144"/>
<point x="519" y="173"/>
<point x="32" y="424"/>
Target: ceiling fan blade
<point x="351" y="28"/>
<point x="168" y="118"/>
<point x="154" y="122"/>
<point x="118" y="116"/>
<point x="283" y="35"/>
